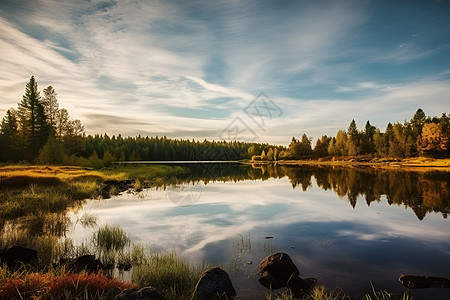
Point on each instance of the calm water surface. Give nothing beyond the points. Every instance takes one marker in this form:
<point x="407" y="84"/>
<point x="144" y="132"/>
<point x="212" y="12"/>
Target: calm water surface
<point x="345" y="227"/>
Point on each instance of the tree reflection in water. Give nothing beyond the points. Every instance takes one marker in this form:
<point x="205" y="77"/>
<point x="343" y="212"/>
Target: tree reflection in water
<point x="424" y="192"/>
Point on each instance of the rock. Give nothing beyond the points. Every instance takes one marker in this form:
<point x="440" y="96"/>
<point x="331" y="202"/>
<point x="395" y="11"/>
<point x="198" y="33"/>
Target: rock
<point x="16" y="255"/>
<point x="214" y="283"/>
<point x="145" y="293"/>
<point x="275" y="270"/>
<point x="415" y="282"/>
<point x="86" y="263"/>
<point x="300" y="287"/>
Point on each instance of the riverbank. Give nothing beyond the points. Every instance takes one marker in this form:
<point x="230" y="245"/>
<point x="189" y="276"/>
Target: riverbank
<point x="411" y="164"/>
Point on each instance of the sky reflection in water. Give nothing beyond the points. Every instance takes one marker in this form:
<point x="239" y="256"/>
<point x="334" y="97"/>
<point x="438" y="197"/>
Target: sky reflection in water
<point x="325" y="236"/>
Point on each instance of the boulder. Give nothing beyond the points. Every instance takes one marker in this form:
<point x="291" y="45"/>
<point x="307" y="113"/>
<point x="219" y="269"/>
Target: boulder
<point x="16" y="255"/>
<point x="214" y="284"/>
<point x="86" y="263"/>
<point x="275" y="270"/>
<point x="145" y="293"/>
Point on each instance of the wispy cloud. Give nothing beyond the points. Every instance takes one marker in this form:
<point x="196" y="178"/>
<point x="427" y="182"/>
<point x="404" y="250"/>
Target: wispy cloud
<point x="168" y="65"/>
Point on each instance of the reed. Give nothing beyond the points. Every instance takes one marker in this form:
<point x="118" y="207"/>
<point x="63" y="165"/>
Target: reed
<point x="110" y="237"/>
<point x="168" y="273"/>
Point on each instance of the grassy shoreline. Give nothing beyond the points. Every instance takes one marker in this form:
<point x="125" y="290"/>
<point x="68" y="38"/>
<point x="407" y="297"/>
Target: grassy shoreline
<point x="409" y="164"/>
<point x="26" y="190"/>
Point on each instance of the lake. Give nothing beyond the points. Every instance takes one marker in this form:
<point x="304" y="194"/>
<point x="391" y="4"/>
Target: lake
<point x="347" y="227"/>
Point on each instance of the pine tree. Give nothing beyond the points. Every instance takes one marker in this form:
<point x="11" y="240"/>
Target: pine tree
<point x="50" y="103"/>
<point x="8" y="137"/>
<point x="417" y="122"/>
<point x="34" y="121"/>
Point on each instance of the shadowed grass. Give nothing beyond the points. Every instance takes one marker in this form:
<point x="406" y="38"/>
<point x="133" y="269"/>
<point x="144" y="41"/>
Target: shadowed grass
<point x="322" y="293"/>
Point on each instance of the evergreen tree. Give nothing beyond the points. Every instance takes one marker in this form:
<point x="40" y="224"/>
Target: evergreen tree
<point x="367" y="144"/>
<point x="321" y="147"/>
<point x="417" y="122"/>
<point x="50" y="103"/>
<point x="34" y="121"/>
<point x="8" y="137"/>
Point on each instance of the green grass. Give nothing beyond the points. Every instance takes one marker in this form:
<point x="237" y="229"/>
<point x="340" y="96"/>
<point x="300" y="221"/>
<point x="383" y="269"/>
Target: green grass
<point x="110" y="238"/>
<point x="168" y="273"/>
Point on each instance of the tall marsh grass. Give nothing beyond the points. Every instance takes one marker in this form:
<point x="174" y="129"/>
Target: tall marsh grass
<point x="168" y="273"/>
<point x="110" y="237"/>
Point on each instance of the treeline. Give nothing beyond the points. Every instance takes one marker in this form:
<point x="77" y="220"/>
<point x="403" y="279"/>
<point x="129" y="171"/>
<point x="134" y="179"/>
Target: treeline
<point x="110" y="149"/>
<point x="421" y="136"/>
<point x="39" y="132"/>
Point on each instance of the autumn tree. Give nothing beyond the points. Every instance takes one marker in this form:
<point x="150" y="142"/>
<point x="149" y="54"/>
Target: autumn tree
<point x="332" y="150"/>
<point x="433" y="141"/>
<point x="341" y="143"/>
<point x="270" y="154"/>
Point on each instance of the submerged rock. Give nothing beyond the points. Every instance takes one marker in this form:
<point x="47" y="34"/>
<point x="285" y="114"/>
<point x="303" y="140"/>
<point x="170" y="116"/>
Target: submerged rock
<point x="275" y="270"/>
<point x="214" y="283"/>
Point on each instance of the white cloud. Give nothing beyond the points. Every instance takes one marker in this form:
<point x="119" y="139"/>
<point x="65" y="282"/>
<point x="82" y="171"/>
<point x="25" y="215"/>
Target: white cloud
<point x="148" y="61"/>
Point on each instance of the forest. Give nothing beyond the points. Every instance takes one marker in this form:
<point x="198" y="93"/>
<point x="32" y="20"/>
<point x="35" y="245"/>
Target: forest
<point x="39" y="131"/>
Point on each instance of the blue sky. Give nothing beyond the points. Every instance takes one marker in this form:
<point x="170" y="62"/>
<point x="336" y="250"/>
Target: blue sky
<point x="191" y="68"/>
